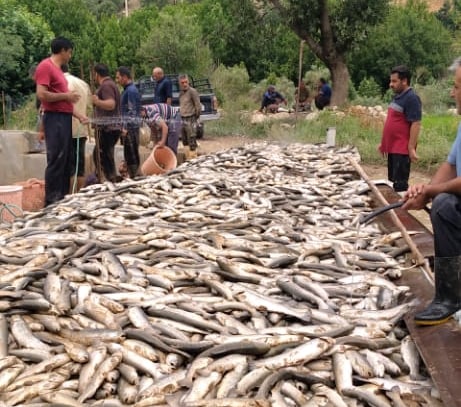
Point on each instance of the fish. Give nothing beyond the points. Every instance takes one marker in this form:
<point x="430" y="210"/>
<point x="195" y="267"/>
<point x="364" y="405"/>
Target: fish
<point x="298" y="355"/>
<point x="237" y="279"/>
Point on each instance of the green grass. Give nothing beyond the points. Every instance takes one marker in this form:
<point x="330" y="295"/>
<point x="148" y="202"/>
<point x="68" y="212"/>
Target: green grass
<point x="437" y="134"/>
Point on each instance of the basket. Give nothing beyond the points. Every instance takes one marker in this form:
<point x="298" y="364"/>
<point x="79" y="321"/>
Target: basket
<point x="159" y="161"/>
<point x="10" y="202"/>
<point x="33" y="194"/>
<point x="144" y="135"/>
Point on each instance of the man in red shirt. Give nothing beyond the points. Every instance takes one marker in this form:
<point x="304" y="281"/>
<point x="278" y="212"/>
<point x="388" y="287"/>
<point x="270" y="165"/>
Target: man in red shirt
<point x="401" y="130"/>
<point x="57" y="105"/>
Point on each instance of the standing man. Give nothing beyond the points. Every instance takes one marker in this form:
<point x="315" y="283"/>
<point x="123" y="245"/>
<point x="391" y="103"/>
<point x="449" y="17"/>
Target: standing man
<point x="166" y="119"/>
<point x="163" y="88"/>
<point x="106" y="104"/>
<point x="401" y="130"/>
<point x="131" y="119"/>
<point x="190" y="108"/>
<point x="57" y="105"/>
<point x="444" y="190"/>
<point x="79" y="131"/>
<point x="323" y="97"/>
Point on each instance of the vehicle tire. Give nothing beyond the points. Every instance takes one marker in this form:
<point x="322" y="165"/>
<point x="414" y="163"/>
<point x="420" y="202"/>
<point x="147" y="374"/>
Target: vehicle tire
<point x="200" y="130"/>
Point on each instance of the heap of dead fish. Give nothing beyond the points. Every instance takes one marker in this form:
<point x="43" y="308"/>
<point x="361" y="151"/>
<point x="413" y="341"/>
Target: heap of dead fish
<point x="239" y="279"/>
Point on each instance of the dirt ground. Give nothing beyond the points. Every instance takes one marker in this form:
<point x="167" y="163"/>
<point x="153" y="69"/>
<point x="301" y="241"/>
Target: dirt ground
<point x="211" y="144"/>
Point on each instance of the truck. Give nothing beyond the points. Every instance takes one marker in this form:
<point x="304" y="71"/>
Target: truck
<point x="146" y="86"/>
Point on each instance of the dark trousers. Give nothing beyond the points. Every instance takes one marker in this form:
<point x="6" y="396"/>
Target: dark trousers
<point x="174" y="129"/>
<point x="77" y="159"/>
<point x="398" y="171"/>
<point x="106" y="141"/>
<point x="131" y="150"/>
<point x="321" y="102"/>
<point x="446" y="224"/>
<point x="58" y="136"/>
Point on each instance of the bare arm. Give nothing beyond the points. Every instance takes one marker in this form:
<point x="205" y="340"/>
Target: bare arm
<point x="164" y="129"/>
<point x="46" y="96"/>
<point x="413" y="142"/>
<point x="107" y="104"/>
<point x="444" y="180"/>
<point x="197" y="104"/>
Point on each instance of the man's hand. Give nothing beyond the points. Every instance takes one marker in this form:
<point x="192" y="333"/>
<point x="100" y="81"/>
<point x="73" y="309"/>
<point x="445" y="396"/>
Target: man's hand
<point x="73" y="96"/>
<point x="84" y="120"/>
<point x="412" y="153"/>
<point x="416" y="197"/>
<point x="95" y="99"/>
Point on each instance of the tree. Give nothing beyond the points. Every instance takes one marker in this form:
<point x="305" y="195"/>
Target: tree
<point x="331" y="29"/>
<point x="410" y="35"/>
<point x="71" y="19"/>
<point x="260" y="40"/>
<point x="25" y="40"/>
<point x="175" y="43"/>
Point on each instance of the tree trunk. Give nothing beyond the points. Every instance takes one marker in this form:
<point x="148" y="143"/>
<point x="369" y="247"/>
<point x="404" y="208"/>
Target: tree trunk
<point x="340" y="82"/>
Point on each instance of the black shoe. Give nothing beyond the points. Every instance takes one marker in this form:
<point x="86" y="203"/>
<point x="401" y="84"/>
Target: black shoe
<point x="436" y="313"/>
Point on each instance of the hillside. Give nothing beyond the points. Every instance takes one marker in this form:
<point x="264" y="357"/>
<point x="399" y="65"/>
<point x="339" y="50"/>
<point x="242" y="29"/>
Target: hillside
<point x="434" y="5"/>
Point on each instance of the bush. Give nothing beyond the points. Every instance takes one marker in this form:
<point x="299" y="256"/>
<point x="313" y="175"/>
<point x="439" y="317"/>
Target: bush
<point x="368" y="87"/>
<point x="435" y="96"/>
<point x="230" y="84"/>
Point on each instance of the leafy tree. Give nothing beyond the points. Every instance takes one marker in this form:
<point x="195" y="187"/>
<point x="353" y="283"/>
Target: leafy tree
<point x="136" y="29"/>
<point x="411" y="35"/>
<point x="25" y="40"/>
<point x="175" y="43"/>
<point x="331" y="29"/>
<point x="260" y="40"/>
<point x="105" y="7"/>
<point x="450" y="14"/>
<point x="71" y="19"/>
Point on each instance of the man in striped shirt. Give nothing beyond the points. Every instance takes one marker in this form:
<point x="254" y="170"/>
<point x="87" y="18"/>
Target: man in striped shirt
<point x="167" y="121"/>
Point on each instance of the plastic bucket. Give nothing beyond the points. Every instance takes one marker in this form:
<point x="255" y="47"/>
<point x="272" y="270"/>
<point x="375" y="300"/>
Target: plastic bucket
<point x="10" y="202"/>
<point x="33" y="194"/>
<point x="159" y="161"/>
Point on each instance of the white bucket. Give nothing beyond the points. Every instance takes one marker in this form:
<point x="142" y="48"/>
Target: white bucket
<point x="331" y="136"/>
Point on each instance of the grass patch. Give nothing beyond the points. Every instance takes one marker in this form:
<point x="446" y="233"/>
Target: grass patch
<point x="436" y="137"/>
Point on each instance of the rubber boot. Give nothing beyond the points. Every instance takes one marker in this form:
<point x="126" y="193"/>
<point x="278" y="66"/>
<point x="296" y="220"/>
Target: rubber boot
<point x="190" y="154"/>
<point x="132" y="171"/>
<point x="447" y="299"/>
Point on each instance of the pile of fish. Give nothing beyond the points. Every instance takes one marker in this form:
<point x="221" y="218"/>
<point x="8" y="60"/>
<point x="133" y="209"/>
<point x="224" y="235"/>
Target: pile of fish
<point x="241" y="278"/>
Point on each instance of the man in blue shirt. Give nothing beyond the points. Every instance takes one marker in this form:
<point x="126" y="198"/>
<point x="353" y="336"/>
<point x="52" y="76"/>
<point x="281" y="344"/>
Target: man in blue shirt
<point x="444" y="190"/>
<point x="130" y="106"/>
<point x="323" y="97"/>
<point x="163" y="87"/>
<point x="271" y="100"/>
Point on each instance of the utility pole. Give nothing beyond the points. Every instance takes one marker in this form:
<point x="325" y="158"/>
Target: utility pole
<point x="300" y="76"/>
<point x="126" y="8"/>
